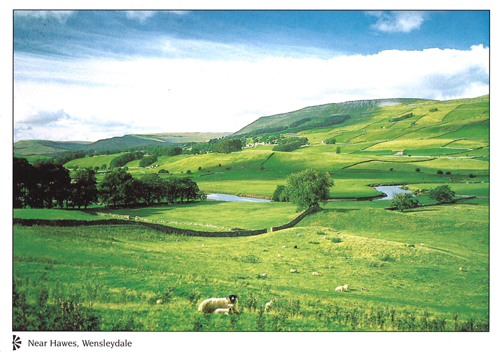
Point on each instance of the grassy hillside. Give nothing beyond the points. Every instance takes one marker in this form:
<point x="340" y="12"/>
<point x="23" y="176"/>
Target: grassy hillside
<point x="47" y="148"/>
<point x="51" y="148"/>
<point x="419" y="270"/>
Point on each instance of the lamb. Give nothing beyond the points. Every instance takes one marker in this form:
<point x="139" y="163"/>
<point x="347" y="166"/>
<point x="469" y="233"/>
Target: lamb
<point x="226" y="311"/>
<point x="269" y="304"/>
<point x="345" y="287"/>
<point x="339" y="289"/>
<point x="211" y="304"/>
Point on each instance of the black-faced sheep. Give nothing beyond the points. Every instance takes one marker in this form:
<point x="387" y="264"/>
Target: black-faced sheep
<point x="211" y="304"/>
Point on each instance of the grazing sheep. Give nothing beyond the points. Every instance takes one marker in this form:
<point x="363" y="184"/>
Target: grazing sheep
<point x="315" y="273"/>
<point x="283" y="247"/>
<point x="339" y="289"/>
<point x="345" y="287"/>
<point x="226" y="311"/>
<point x="263" y="274"/>
<point x="211" y="304"/>
<point x="460" y="268"/>
<point x="279" y="255"/>
<point x="159" y="301"/>
<point x="456" y="208"/>
<point x="298" y="235"/>
<point x="421" y="244"/>
<point x="269" y="304"/>
<point x="293" y="270"/>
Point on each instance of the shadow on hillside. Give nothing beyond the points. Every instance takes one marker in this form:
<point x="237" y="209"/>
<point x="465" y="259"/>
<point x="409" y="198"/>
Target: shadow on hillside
<point x="340" y="210"/>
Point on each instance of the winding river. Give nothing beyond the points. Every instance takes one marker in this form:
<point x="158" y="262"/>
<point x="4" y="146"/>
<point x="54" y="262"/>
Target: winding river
<point x="390" y="191"/>
<point x="231" y="198"/>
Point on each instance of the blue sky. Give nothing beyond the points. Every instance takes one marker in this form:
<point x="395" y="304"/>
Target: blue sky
<point x="88" y="75"/>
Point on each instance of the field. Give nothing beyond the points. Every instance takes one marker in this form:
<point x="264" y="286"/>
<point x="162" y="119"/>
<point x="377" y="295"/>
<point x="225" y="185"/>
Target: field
<point x="425" y="269"/>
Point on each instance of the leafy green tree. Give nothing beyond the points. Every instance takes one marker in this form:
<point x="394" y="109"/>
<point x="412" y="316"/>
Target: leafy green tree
<point x="117" y="188"/>
<point x="331" y="141"/>
<point x="308" y="188"/>
<point x="403" y="201"/>
<point x="279" y="194"/>
<point x="442" y="193"/>
<point x="84" y="190"/>
<point x="153" y="188"/>
<point x="228" y="146"/>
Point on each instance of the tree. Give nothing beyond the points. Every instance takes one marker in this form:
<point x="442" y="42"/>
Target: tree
<point x="228" y="146"/>
<point x="308" y="187"/>
<point x="23" y="173"/>
<point x="84" y="190"/>
<point x="442" y="194"/>
<point x="279" y="194"/>
<point x="403" y="201"/>
<point x="118" y="188"/>
<point x="153" y="188"/>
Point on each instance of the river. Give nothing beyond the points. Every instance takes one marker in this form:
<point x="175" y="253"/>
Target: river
<point x="231" y="198"/>
<point x="390" y="191"/>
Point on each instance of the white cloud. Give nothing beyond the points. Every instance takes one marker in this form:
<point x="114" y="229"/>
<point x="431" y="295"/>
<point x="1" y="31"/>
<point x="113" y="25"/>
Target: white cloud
<point x="140" y="16"/>
<point x="60" y="16"/>
<point x="397" y="21"/>
<point x="113" y="97"/>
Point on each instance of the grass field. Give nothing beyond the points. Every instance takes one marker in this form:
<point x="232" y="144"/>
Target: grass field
<point x="425" y="269"/>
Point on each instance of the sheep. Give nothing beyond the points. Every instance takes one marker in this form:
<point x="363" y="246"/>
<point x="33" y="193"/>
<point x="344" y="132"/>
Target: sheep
<point x="363" y="289"/>
<point x="283" y="246"/>
<point x="346" y="287"/>
<point x="339" y="289"/>
<point x="315" y="273"/>
<point x="293" y="270"/>
<point x="159" y="301"/>
<point x="298" y="235"/>
<point x="263" y="274"/>
<point x="225" y="311"/>
<point x="211" y="304"/>
<point x="269" y="304"/>
<point x="279" y="255"/>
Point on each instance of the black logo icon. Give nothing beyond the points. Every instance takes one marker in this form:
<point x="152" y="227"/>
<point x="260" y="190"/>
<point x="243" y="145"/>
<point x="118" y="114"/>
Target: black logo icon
<point x="16" y="342"/>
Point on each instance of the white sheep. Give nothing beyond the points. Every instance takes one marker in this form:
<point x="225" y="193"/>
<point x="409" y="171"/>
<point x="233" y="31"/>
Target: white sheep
<point x="211" y="304"/>
<point x="293" y="270"/>
<point x="263" y="274"/>
<point x="315" y="273"/>
<point x="345" y="287"/>
<point x="283" y="246"/>
<point x="225" y="311"/>
<point x="269" y="304"/>
<point x="339" y="289"/>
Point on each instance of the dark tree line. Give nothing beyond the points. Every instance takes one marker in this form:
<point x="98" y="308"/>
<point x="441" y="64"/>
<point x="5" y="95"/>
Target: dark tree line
<point x="48" y="185"/>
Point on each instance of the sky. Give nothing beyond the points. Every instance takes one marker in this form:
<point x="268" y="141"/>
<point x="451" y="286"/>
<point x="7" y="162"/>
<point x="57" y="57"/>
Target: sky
<point x="90" y="75"/>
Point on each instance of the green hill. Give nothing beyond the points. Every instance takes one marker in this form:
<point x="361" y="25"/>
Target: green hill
<point x="51" y="148"/>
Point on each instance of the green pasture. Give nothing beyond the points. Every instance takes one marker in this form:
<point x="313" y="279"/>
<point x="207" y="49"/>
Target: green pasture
<point x="52" y="214"/>
<point x="478" y="110"/>
<point x="476" y="131"/>
<point x="433" y="151"/>
<point x="464" y="143"/>
<point x="400" y="145"/>
<point x="403" y="261"/>
<point x="97" y="160"/>
<point x="215" y="214"/>
<point x="436" y="116"/>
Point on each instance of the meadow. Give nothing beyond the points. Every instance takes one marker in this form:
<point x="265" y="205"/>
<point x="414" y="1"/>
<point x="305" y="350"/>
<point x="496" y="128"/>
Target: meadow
<point x="424" y="269"/>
